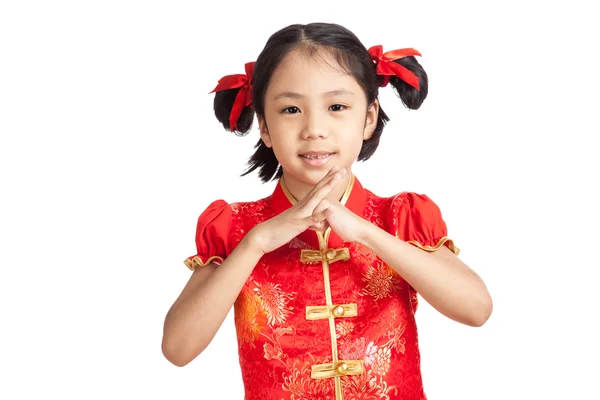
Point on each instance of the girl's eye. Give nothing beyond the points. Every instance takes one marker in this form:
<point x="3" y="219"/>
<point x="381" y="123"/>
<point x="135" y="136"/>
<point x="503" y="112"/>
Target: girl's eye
<point x="290" y="110"/>
<point x="337" y="107"/>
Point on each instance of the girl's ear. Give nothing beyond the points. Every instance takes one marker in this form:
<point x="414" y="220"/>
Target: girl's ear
<point x="264" y="131"/>
<point x="371" y="121"/>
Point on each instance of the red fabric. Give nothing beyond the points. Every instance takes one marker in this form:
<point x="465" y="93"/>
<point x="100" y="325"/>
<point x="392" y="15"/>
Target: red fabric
<point x="277" y="345"/>
<point x="212" y="231"/>
<point x="387" y="67"/>
<point x="244" y="96"/>
<point x="419" y="219"/>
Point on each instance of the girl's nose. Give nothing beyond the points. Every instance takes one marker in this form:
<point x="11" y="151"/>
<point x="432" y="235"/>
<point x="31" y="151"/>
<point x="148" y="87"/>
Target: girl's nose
<point x="315" y="127"/>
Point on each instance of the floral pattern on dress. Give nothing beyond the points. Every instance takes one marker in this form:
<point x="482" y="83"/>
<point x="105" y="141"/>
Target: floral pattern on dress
<point x="381" y="281"/>
<point x="249" y="317"/>
<point x="302" y="387"/>
<point x="366" y="386"/>
<point x="278" y="346"/>
<point x="274" y="301"/>
<point x="381" y="361"/>
<point x="343" y="328"/>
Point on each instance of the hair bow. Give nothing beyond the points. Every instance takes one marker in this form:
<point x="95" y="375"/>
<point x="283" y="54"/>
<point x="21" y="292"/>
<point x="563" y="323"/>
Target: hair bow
<point x="244" y="96"/>
<point x="387" y="67"/>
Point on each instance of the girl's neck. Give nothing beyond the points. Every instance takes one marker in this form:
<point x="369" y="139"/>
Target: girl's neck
<point x="299" y="189"/>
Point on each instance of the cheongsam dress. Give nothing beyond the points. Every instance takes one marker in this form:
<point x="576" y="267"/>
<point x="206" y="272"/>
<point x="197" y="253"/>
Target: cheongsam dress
<point x="320" y="318"/>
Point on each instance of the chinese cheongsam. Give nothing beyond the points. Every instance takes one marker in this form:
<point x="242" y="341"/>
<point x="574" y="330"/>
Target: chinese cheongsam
<point x="320" y="318"/>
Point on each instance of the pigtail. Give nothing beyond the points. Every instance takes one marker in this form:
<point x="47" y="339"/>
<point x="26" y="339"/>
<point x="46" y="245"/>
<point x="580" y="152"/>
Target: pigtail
<point x="410" y="96"/>
<point x="233" y="101"/>
<point x="265" y="161"/>
<point x="403" y="71"/>
<point x="223" y="106"/>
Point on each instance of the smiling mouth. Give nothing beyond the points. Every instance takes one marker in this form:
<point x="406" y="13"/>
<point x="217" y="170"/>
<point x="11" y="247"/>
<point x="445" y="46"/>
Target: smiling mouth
<point x="316" y="156"/>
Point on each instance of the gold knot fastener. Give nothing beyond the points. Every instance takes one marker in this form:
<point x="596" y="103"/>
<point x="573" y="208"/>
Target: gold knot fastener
<point x="329" y="255"/>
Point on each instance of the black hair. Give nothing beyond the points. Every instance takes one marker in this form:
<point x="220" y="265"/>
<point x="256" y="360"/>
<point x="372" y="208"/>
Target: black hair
<point x="350" y="54"/>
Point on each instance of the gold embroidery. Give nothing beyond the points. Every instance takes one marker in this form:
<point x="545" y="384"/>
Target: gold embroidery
<point x="317" y="256"/>
<point x="274" y="301"/>
<point x="334" y="311"/>
<point x="343" y="328"/>
<point x="440" y="243"/>
<point x="381" y="361"/>
<point x="197" y="261"/>
<point x="381" y="281"/>
<point x="337" y="369"/>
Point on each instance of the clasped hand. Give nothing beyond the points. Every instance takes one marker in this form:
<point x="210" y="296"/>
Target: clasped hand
<point x="314" y="212"/>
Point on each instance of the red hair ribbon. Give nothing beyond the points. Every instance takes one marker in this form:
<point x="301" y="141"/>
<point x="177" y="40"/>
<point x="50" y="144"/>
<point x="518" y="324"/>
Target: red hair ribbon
<point x="244" y="96"/>
<point x="386" y="65"/>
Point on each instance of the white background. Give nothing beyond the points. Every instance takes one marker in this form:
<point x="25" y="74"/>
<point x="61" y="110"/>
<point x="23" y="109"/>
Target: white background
<point x="110" y="150"/>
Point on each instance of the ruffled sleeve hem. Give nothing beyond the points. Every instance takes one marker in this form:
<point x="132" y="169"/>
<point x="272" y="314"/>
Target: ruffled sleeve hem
<point x="445" y="241"/>
<point x="196" y="261"/>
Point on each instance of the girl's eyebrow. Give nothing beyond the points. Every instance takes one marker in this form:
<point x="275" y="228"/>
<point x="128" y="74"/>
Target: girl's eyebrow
<point x="331" y="93"/>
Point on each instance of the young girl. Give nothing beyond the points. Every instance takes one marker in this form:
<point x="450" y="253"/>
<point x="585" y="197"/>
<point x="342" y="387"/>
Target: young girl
<point x="323" y="274"/>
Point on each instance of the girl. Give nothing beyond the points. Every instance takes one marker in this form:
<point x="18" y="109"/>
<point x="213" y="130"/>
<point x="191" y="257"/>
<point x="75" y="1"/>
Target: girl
<point x="323" y="274"/>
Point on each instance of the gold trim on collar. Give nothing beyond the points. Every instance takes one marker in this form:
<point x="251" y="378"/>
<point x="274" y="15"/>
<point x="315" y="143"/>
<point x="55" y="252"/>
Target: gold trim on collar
<point x="293" y="200"/>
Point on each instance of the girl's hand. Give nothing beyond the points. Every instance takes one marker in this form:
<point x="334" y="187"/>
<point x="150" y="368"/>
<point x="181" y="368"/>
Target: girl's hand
<point x="279" y="230"/>
<point x="349" y="226"/>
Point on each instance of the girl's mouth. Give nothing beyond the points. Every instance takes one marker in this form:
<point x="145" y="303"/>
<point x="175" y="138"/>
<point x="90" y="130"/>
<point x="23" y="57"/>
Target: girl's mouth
<point x="316" y="159"/>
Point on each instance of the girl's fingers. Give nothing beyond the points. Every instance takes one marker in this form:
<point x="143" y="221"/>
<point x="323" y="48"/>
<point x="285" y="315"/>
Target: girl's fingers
<point x="313" y="200"/>
<point x="326" y="179"/>
<point x="318" y="218"/>
<point x="318" y="227"/>
<point x="322" y="206"/>
<point x="322" y="209"/>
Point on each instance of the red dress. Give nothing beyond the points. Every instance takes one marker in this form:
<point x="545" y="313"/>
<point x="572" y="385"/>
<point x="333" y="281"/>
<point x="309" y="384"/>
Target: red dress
<point x="320" y="318"/>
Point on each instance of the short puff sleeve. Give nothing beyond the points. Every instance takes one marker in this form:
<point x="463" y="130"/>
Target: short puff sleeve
<point x="418" y="221"/>
<point x="211" y="235"/>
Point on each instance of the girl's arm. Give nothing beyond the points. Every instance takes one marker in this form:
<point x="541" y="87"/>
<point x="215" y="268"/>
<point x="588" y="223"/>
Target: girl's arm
<point x="440" y="277"/>
<point x="201" y="308"/>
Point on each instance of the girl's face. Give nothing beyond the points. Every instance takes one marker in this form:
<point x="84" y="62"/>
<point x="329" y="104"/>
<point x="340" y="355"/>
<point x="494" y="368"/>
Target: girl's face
<point x="316" y="116"/>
